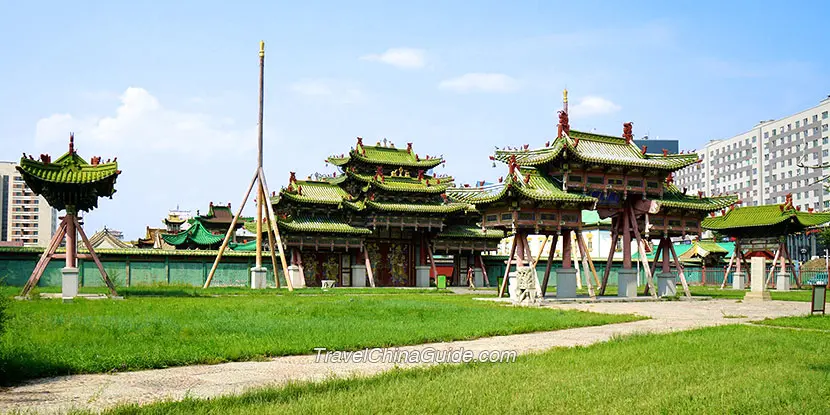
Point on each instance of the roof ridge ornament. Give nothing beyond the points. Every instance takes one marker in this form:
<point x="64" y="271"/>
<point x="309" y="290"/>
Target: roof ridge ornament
<point x="71" y="143"/>
<point x="628" y="133"/>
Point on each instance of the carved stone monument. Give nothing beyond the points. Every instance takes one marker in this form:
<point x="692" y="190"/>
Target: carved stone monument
<point x="525" y="285"/>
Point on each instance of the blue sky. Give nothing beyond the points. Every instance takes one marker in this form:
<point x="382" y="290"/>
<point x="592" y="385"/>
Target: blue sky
<point x="170" y="87"/>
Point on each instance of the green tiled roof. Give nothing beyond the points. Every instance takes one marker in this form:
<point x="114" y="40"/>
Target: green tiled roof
<point x="247" y="246"/>
<point x="69" y="180"/>
<point x="386" y="156"/>
<point x="196" y="234"/>
<point x="540" y="187"/>
<point x="685" y="250"/>
<point x="470" y="231"/>
<point x="70" y="168"/>
<point x="598" y="149"/>
<point x="320" y="224"/>
<point x="320" y="192"/>
<point x="673" y="197"/>
<point x="405" y="184"/>
<point x="416" y="207"/>
<point x="591" y="219"/>
<point x="703" y="249"/>
<point x="768" y="220"/>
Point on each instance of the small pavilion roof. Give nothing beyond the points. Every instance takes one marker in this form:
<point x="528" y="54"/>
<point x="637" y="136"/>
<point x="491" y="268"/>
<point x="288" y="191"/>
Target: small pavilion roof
<point x="313" y="191"/>
<point x="427" y="184"/>
<point x="597" y="149"/>
<point x="528" y="182"/>
<point x="104" y="238"/>
<point x="385" y="155"/>
<point x="702" y="249"/>
<point x="70" y="180"/>
<point x="312" y="223"/>
<point x="673" y="197"/>
<point x="767" y="220"/>
<point x="197" y="234"/>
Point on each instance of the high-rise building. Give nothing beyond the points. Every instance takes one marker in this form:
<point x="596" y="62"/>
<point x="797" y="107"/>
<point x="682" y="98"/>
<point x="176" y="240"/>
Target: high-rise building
<point x="24" y="217"/>
<point x="761" y="165"/>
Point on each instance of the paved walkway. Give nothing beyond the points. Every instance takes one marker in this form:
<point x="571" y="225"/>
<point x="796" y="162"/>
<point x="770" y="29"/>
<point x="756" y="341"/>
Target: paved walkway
<point x="95" y="392"/>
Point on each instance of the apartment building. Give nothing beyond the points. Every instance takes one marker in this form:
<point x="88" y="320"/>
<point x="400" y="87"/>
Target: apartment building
<point x="24" y="217"/>
<point x="761" y="165"/>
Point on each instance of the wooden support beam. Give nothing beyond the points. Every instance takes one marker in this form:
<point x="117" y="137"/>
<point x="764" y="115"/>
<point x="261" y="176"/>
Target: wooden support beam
<point x="483" y="270"/>
<point x="642" y="251"/>
<point x="792" y="267"/>
<point x="507" y="268"/>
<point x="590" y="260"/>
<point x="680" y="272"/>
<point x="580" y="243"/>
<point x="615" y="236"/>
<point x="728" y="267"/>
<point x="230" y="232"/>
<point x="43" y="262"/>
<point x="98" y="263"/>
<point x="549" y="264"/>
<point x="272" y="219"/>
<point x="657" y="258"/>
<point x="271" y="246"/>
<point x="369" y="272"/>
<point x="772" y="269"/>
<point x="78" y="256"/>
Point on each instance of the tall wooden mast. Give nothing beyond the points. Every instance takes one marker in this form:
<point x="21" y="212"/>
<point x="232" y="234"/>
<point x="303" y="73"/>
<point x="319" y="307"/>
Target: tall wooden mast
<point x="262" y="202"/>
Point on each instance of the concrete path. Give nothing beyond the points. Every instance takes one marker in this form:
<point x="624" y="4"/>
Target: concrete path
<point x="96" y="392"/>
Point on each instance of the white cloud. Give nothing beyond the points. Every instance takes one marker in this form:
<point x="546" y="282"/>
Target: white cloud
<point x="142" y="125"/>
<point x="329" y="90"/>
<point x="481" y="82"/>
<point x="168" y="157"/>
<point x="405" y="58"/>
<point x="593" y="105"/>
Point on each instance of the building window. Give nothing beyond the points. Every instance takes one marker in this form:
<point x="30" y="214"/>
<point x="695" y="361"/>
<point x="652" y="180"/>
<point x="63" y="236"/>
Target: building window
<point x="824" y="115"/>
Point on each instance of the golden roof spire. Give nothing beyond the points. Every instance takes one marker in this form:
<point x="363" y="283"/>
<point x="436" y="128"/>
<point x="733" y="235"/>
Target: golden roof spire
<point x="261" y="48"/>
<point x="565" y="95"/>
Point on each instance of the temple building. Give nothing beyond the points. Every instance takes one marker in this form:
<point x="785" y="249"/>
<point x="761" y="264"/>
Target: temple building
<point x="627" y="184"/>
<point x="378" y="221"/>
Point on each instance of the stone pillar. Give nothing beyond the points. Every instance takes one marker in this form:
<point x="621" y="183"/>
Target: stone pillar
<point x="782" y="281"/>
<point x="566" y="283"/>
<point x="258" y="278"/>
<point x="666" y="284"/>
<point x="627" y="283"/>
<point x="738" y="281"/>
<point x="759" y="290"/>
<point x="296" y="278"/>
<point x="478" y="277"/>
<point x="358" y="275"/>
<point x="421" y="275"/>
<point x="69" y="283"/>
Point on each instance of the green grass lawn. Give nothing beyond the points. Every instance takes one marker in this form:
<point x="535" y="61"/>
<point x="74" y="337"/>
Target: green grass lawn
<point x="165" y="290"/>
<point x="728" y="293"/>
<point x="48" y="337"/>
<point x="728" y="369"/>
<point x="815" y="322"/>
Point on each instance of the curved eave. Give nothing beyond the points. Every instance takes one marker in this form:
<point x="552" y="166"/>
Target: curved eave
<point x="394" y="184"/>
<point x="57" y="173"/>
<point x="426" y="164"/>
<point x="416" y="208"/>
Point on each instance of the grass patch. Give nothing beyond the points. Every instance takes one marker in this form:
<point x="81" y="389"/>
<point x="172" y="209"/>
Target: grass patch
<point x="673" y="373"/>
<point x="47" y="337"/>
<point x="728" y="293"/>
<point x="815" y="322"/>
<point x="165" y="290"/>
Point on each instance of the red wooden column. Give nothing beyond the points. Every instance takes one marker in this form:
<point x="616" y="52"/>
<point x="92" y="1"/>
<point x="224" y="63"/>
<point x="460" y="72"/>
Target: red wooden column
<point x="71" y="240"/>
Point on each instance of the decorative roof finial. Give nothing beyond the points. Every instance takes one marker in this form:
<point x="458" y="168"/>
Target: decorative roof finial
<point x="293" y="177"/>
<point x="261" y="48"/>
<point x="563" y="126"/>
<point x="565" y="99"/>
<point x="628" y="133"/>
<point x="409" y="147"/>
<point x="71" y="143"/>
